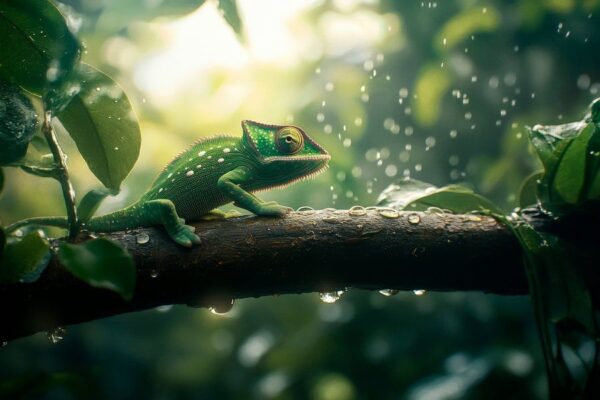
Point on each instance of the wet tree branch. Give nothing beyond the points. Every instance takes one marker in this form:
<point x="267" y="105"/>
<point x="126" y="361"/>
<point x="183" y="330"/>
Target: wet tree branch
<point x="303" y="252"/>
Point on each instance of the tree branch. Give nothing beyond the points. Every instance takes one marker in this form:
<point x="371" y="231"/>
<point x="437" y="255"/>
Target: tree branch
<point x="302" y="252"/>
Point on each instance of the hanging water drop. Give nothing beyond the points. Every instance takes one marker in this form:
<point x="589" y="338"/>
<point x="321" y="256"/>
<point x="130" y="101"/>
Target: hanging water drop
<point x="222" y="307"/>
<point x="389" y="292"/>
<point x="419" y="292"/>
<point x="330" y="297"/>
<point x="56" y="335"/>
<point x="142" y="238"/>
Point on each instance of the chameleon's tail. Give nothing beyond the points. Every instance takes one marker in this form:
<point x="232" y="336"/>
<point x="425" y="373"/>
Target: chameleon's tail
<point x="115" y="221"/>
<point x="127" y="218"/>
<point x="60" y="222"/>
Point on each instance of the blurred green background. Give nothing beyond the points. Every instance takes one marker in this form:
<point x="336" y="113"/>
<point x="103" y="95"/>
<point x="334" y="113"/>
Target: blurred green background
<point x="438" y="91"/>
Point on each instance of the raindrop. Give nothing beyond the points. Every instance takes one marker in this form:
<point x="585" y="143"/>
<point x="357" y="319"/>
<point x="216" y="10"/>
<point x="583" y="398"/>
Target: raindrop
<point x="153" y="273"/>
<point x="388" y="213"/>
<point x="330" y="297"/>
<point x="388" y="292"/>
<point x="3" y="344"/>
<point x="165" y="308"/>
<point x="419" y="292"/>
<point x="414" y="219"/>
<point x="329" y="86"/>
<point x="474" y="218"/>
<point x="222" y="307"/>
<point x="357" y="211"/>
<point x="56" y="335"/>
<point x="142" y="238"/>
<point x="306" y="209"/>
<point x="391" y="170"/>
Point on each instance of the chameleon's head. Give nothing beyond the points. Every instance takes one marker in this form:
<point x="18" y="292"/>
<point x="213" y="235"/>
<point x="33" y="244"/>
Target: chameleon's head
<point x="285" y="152"/>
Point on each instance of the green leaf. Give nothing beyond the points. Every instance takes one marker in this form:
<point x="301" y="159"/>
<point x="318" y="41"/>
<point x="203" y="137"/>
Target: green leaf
<point x="415" y="195"/>
<point x="118" y="14"/>
<point x="104" y="126"/>
<point x="90" y="203"/>
<point x="24" y="259"/>
<point x="231" y="14"/>
<point x="2" y="242"/>
<point x="547" y="140"/>
<point x="569" y="179"/>
<point x="101" y="263"/>
<point x="528" y="195"/>
<point x="37" y="46"/>
<point x="432" y="83"/>
<point x="465" y="24"/>
<point x="18" y="122"/>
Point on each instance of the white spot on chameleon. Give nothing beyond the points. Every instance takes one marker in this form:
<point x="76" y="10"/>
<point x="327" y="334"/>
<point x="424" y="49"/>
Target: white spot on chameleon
<point x="160" y="190"/>
<point x="220" y="160"/>
<point x="226" y="150"/>
<point x="189" y="173"/>
<point x="209" y="157"/>
<point x="200" y="154"/>
<point x="198" y="166"/>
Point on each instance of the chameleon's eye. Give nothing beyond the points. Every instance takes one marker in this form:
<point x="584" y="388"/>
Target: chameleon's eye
<point x="289" y="140"/>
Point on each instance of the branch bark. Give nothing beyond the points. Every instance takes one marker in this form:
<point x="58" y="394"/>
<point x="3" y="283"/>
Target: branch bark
<point x="302" y="252"/>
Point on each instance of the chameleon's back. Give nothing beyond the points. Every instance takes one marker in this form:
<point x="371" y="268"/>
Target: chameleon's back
<point x="190" y="180"/>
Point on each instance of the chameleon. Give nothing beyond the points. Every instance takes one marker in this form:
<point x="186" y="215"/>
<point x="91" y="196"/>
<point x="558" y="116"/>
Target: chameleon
<point x="213" y="172"/>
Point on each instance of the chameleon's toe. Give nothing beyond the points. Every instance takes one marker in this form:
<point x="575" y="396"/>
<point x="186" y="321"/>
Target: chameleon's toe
<point x="273" y="209"/>
<point x="184" y="235"/>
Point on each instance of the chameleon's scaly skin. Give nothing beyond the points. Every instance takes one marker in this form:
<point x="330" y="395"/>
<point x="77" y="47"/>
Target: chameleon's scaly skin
<point x="216" y="171"/>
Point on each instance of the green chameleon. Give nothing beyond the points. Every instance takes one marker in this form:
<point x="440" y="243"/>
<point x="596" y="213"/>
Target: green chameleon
<point x="212" y="172"/>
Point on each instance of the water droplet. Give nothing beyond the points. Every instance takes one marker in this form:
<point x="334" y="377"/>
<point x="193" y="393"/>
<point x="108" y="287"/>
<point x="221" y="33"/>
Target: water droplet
<point x="142" y="238"/>
<point x="388" y="292"/>
<point x="419" y="292"/>
<point x="153" y="273"/>
<point x="3" y="344"/>
<point x="222" y="307"/>
<point x="388" y="213"/>
<point x="436" y="211"/>
<point x="414" y="219"/>
<point x="330" y="297"/>
<point x="56" y="335"/>
<point x="330" y="219"/>
<point x="474" y="218"/>
<point x="306" y="210"/>
<point x="357" y="211"/>
<point x="165" y="308"/>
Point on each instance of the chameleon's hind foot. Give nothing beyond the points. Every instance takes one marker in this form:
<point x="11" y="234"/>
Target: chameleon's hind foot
<point x="163" y="211"/>
<point x="183" y="234"/>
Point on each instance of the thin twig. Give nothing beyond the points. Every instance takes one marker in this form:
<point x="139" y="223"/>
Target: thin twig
<point x="63" y="174"/>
